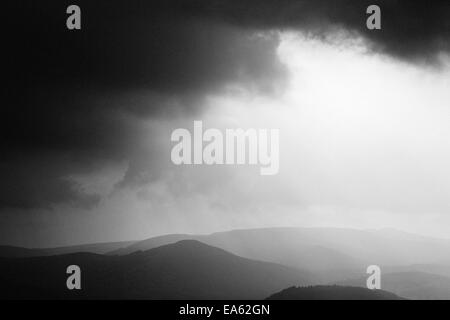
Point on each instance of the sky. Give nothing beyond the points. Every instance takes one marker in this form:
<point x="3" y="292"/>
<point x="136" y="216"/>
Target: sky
<point x="364" y="118"/>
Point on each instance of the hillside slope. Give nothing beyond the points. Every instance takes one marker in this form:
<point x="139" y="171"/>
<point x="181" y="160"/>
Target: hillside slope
<point x="332" y="293"/>
<point x="184" y="270"/>
<point x="411" y="285"/>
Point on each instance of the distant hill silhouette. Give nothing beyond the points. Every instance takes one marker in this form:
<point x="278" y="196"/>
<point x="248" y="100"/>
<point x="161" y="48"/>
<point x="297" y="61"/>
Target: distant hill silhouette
<point x="420" y="266"/>
<point x="286" y="246"/>
<point x="100" y="248"/>
<point x="184" y="270"/>
<point x="437" y="269"/>
<point x="333" y="253"/>
<point x="16" y="252"/>
<point x="153" y="242"/>
<point x="411" y="285"/>
<point x="332" y="293"/>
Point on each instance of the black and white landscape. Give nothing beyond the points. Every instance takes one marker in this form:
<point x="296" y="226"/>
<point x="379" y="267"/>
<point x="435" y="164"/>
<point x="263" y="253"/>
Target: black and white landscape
<point x="324" y="263"/>
<point x="121" y="128"/>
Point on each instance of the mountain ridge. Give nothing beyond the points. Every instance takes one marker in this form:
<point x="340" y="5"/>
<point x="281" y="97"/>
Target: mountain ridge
<point x="332" y="293"/>
<point x="185" y="270"/>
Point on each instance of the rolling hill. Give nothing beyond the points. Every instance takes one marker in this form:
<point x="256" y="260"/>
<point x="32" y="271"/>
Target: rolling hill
<point x="411" y="285"/>
<point x="99" y="248"/>
<point x="332" y="293"/>
<point x="413" y="267"/>
<point x="184" y="270"/>
<point x="334" y="254"/>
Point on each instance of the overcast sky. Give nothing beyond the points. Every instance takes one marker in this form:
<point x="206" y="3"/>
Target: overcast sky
<point x="364" y="117"/>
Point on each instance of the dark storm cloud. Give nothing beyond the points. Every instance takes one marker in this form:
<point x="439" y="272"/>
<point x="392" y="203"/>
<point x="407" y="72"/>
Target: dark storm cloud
<point x="38" y="183"/>
<point x="410" y="29"/>
<point x="135" y="56"/>
<point x="69" y="92"/>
